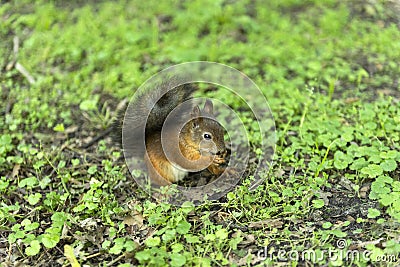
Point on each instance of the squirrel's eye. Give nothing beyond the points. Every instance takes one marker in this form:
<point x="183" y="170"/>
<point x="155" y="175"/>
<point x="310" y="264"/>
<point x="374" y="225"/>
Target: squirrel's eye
<point x="207" y="136"/>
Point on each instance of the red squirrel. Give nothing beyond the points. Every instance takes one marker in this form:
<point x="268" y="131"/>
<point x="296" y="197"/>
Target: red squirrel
<point x="195" y="145"/>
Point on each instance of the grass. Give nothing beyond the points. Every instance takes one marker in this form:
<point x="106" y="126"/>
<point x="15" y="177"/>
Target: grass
<point x="329" y="70"/>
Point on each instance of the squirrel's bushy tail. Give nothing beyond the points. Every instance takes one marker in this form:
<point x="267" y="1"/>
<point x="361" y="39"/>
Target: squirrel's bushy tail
<point x="148" y="110"/>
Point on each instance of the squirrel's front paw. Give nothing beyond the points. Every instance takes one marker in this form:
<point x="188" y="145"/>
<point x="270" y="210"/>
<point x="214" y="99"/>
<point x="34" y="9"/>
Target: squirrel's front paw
<point x="219" y="160"/>
<point x="216" y="169"/>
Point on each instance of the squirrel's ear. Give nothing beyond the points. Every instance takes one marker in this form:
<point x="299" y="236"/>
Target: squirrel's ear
<point x="196" y="112"/>
<point x="208" y="107"/>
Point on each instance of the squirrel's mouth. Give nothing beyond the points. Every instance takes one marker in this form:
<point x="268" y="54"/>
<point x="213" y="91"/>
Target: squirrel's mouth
<point x="208" y="152"/>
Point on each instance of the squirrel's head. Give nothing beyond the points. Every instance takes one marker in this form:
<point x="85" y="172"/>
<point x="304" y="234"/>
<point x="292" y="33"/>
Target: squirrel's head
<point x="204" y="131"/>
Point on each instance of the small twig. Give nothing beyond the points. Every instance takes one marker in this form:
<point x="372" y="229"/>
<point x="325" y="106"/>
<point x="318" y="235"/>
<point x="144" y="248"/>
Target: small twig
<point x="116" y="260"/>
<point x="93" y="255"/>
<point x="14" y="53"/>
<point x="25" y="73"/>
<point x="18" y="66"/>
<point x="15" y="46"/>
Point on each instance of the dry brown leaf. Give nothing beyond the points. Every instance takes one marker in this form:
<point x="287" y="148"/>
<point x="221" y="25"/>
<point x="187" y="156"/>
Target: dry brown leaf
<point x="71" y="129"/>
<point x="89" y="223"/>
<point x="364" y="190"/>
<point x="351" y="100"/>
<point x="15" y="170"/>
<point x="363" y="244"/>
<point x="136" y="219"/>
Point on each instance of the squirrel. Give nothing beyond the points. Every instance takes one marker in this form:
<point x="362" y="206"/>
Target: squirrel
<point x="192" y="140"/>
